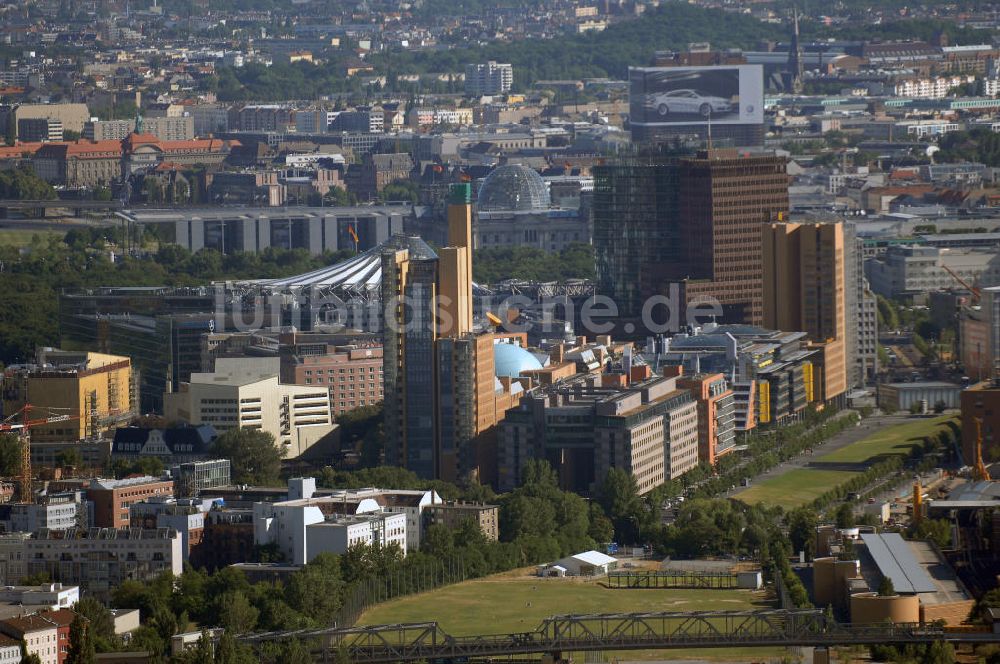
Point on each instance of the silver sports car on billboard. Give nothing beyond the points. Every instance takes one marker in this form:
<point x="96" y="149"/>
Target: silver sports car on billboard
<point x="687" y="101"/>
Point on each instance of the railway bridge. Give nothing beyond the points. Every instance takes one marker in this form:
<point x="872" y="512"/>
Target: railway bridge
<point x="631" y="631"/>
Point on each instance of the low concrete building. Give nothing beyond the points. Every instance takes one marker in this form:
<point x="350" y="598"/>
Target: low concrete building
<point x="18" y="600"/>
<point x="910" y="272"/>
<point x="253" y="229"/>
<point x="894" y="397"/>
<point x="125" y="620"/>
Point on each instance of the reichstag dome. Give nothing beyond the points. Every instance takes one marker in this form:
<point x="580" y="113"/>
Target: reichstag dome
<point x="513" y="187"/>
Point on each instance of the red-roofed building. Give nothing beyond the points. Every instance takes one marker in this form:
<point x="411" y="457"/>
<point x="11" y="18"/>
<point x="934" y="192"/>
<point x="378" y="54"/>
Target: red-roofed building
<point x="19" y="151"/>
<point x="79" y="164"/>
<point x="145" y="150"/>
<point x="40" y="636"/>
<point x="62" y="619"/>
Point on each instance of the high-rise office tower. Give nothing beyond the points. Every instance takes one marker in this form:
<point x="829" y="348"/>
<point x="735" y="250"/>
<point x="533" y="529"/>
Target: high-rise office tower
<point x="804" y="289"/>
<point x="862" y="314"/>
<point x="441" y="396"/>
<point x="691" y="220"/>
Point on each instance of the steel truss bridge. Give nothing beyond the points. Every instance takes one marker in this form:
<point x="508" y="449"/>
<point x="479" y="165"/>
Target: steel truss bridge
<point x="673" y="579"/>
<point x="633" y="631"/>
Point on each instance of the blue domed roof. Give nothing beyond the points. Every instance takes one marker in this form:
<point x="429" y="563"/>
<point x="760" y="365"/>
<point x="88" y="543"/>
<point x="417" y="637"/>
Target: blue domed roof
<point x="511" y="360"/>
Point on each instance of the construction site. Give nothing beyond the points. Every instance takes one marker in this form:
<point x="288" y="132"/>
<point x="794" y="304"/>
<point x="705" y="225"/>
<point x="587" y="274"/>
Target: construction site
<point x="65" y="400"/>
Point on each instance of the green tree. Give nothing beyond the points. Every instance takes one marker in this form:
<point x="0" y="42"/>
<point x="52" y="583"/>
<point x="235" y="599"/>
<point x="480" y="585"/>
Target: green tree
<point x="888" y="317"/>
<point x="202" y="653"/>
<point x="10" y="454"/>
<point x="845" y="516"/>
<point x="69" y="457"/>
<point x="29" y="658"/>
<point x="22" y="184"/>
<point x="255" y="457"/>
<point x="981" y="610"/>
<point x="81" y="642"/>
<point x="230" y="651"/>
<point x="885" y="587"/>
<point x="936" y="530"/>
<point x="802" y="522"/>
<point x="317" y="589"/>
<point x="100" y="622"/>
<point x="236" y="614"/>
<point x="619" y="496"/>
<point x="401" y="190"/>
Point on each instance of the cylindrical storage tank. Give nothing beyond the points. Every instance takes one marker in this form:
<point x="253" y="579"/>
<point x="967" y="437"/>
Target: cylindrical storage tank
<point x="824" y="535"/>
<point x="842" y="571"/>
<point x="824" y="581"/>
<point x="869" y="608"/>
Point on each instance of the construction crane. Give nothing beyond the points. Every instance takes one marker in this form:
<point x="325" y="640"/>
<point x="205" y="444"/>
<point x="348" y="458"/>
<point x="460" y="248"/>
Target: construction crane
<point x="976" y="294"/>
<point x="979" y="471"/>
<point x="24" y="427"/>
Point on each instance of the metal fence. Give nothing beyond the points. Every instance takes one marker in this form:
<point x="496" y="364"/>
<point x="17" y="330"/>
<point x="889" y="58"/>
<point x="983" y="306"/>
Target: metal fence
<point x="404" y="580"/>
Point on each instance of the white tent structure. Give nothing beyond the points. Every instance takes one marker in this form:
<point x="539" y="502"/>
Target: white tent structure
<point x="588" y="563"/>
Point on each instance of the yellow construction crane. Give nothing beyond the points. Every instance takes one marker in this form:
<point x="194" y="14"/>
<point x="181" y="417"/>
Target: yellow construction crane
<point x="979" y="471"/>
<point x="23" y="427"/>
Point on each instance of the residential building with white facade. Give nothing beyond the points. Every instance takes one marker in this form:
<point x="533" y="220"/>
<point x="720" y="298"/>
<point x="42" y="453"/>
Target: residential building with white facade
<point x="307" y="525"/>
<point x="246" y="393"/>
<point x="100" y="559"/>
<point x="930" y="88"/>
<point x="57" y="512"/>
<point x="10" y="650"/>
<point x="40" y="636"/>
<point x="490" y="78"/>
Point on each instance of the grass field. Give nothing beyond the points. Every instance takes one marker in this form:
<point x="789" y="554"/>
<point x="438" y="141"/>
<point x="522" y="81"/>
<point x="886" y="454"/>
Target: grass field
<point x="19" y="237"/>
<point x="794" y="488"/>
<point x="505" y="604"/>
<point x="803" y="485"/>
<point x="891" y="440"/>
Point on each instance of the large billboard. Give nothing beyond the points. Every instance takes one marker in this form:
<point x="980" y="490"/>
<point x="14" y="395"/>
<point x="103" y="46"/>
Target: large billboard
<point x="665" y="96"/>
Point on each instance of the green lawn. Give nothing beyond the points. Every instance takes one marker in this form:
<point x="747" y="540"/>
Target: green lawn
<point x="801" y="486"/>
<point x="505" y="604"/>
<point x="891" y="440"/>
<point x="20" y="237"/>
<point x="794" y="488"/>
<point x="501" y="605"/>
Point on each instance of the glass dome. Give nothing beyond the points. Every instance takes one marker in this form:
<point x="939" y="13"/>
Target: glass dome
<point x="511" y="360"/>
<point x="513" y="187"/>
